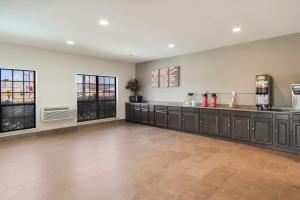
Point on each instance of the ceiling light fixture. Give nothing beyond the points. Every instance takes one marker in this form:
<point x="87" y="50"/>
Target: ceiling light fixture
<point x="171" y="45"/>
<point x="236" y="29"/>
<point x="103" y="22"/>
<point x="70" y="42"/>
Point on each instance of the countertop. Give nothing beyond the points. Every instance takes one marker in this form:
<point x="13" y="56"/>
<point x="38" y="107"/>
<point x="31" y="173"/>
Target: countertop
<point x="223" y="107"/>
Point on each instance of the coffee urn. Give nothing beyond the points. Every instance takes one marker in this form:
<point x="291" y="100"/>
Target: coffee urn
<point x="264" y="92"/>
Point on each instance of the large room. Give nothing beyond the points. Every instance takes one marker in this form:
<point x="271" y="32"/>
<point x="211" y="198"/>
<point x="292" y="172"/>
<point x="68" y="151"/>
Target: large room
<point x="150" y="100"/>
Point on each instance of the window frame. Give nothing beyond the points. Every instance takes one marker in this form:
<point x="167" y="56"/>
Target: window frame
<point x="13" y="105"/>
<point x="83" y="103"/>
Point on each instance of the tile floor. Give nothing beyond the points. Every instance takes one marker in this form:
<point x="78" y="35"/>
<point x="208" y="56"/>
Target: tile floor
<point x="120" y="161"/>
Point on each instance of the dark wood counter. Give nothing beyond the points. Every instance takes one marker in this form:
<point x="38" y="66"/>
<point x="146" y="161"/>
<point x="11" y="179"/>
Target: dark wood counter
<point x="279" y="129"/>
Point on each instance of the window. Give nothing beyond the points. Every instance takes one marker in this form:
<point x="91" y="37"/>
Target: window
<point x="96" y="97"/>
<point x="17" y="107"/>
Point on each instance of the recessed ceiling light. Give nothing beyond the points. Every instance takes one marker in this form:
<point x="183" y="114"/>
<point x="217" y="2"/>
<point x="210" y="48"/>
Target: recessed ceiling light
<point x="70" y="42"/>
<point x="236" y="29"/>
<point x="103" y="22"/>
<point x="171" y="45"/>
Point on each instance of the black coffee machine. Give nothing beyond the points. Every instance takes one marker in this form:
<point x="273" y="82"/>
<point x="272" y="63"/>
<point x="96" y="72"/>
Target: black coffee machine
<point x="264" y="99"/>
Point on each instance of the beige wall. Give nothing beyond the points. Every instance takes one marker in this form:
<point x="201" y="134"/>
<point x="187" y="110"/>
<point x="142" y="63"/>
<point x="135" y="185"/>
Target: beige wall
<point x="230" y="68"/>
<point x="55" y="73"/>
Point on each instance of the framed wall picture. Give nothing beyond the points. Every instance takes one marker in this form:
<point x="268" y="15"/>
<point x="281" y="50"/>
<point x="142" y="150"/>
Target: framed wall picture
<point x="174" y="76"/>
<point x="164" y="77"/>
<point x="155" y="78"/>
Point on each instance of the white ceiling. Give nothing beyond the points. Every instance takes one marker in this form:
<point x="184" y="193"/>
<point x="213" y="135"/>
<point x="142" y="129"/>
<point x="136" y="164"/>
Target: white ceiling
<point x="143" y="28"/>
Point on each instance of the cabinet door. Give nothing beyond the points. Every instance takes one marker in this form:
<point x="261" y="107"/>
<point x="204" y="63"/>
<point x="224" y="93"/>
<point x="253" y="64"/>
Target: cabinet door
<point x="209" y="124"/>
<point x="161" y="118"/>
<point x="174" y="119"/>
<point x="137" y="114"/>
<point x="282" y="134"/>
<point x="151" y="116"/>
<point x="131" y="113"/>
<point x="241" y="128"/>
<point x="190" y="121"/>
<point x="296" y="136"/>
<point x="145" y="116"/>
<point x="225" y="126"/>
<point x="262" y="131"/>
<point x="127" y="111"/>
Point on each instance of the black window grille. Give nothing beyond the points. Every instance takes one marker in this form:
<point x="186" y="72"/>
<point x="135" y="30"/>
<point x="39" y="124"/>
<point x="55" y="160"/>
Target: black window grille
<point x="96" y="97"/>
<point x="18" y="104"/>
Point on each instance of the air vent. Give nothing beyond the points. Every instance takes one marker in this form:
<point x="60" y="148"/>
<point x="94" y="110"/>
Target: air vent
<point x="58" y="113"/>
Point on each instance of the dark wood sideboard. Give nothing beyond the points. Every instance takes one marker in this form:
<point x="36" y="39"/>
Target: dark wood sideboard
<point x="271" y="129"/>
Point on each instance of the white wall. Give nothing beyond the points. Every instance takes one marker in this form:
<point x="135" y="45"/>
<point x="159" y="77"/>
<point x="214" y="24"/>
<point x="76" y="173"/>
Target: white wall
<point x="231" y="68"/>
<point x="55" y="77"/>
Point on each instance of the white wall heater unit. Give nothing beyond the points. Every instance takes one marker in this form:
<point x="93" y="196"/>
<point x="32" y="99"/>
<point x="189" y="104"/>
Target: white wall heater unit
<point x="58" y="113"/>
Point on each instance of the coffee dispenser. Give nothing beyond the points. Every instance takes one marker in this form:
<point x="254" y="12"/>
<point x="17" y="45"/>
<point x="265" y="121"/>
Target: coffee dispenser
<point x="295" y="97"/>
<point x="264" y="92"/>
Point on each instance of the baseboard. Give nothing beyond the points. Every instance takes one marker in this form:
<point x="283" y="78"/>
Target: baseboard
<point x="62" y="130"/>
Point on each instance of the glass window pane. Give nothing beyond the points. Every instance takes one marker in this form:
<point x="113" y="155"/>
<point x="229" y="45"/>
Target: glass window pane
<point x="6" y="75"/>
<point x="18" y="123"/>
<point x="31" y="73"/>
<point x="19" y="111"/>
<point x="93" y="88"/>
<point x="101" y="80"/>
<point x="86" y="79"/>
<point x="6" y="86"/>
<point x="113" y="108"/>
<point x="112" y="96"/>
<point x="18" y="75"/>
<point x="90" y="111"/>
<point x="79" y="78"/>
<point x="93" y="79"/>
<point x="106" y="90"/>
<point x="86" y="88"/>
<point x="6" y="98"/>
<point x="93" y="96"/>
<point x="29" y="97"/>
<point x="29" y="122"/>
<point x="86" y="96"/>
<point x="7" y="124"/>
<point x="101" y="96"/>
<point x="18" y="87"/>
<point x="27" y="76"/>
<point x="80" y="96"/>
<point x="18" y="98"/>
<point x="106" y="80"/>
<point x="29" y="86"/>
<point x="79" y="88"/>
<point x="29" y="110"/>
<point x="7" y="112"/>
<point x="80" y="111"/>
<point x="112" y="80"/>
<point x="101" y="88"/>
<point x="112" y="88"/>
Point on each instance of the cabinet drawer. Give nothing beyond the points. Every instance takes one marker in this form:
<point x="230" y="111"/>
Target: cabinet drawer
<point x="209" y="111"/>
<point x="174" y="108"/>
<point x="282" y="117"/>
<point x="159" y="107"/>
<point x="296" y="117"/>
<point x="242" y="113"/>
<point x="263" y="115"/>
<point x="225" y="112"/>
<point x="151" y="107"/>
<point x="144" y="106"/>
<point x="193" y="110"/>
<point x="136" y="105"/>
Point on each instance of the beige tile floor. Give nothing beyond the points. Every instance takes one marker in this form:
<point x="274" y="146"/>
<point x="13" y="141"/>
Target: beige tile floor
<point x="120" y="161"/>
